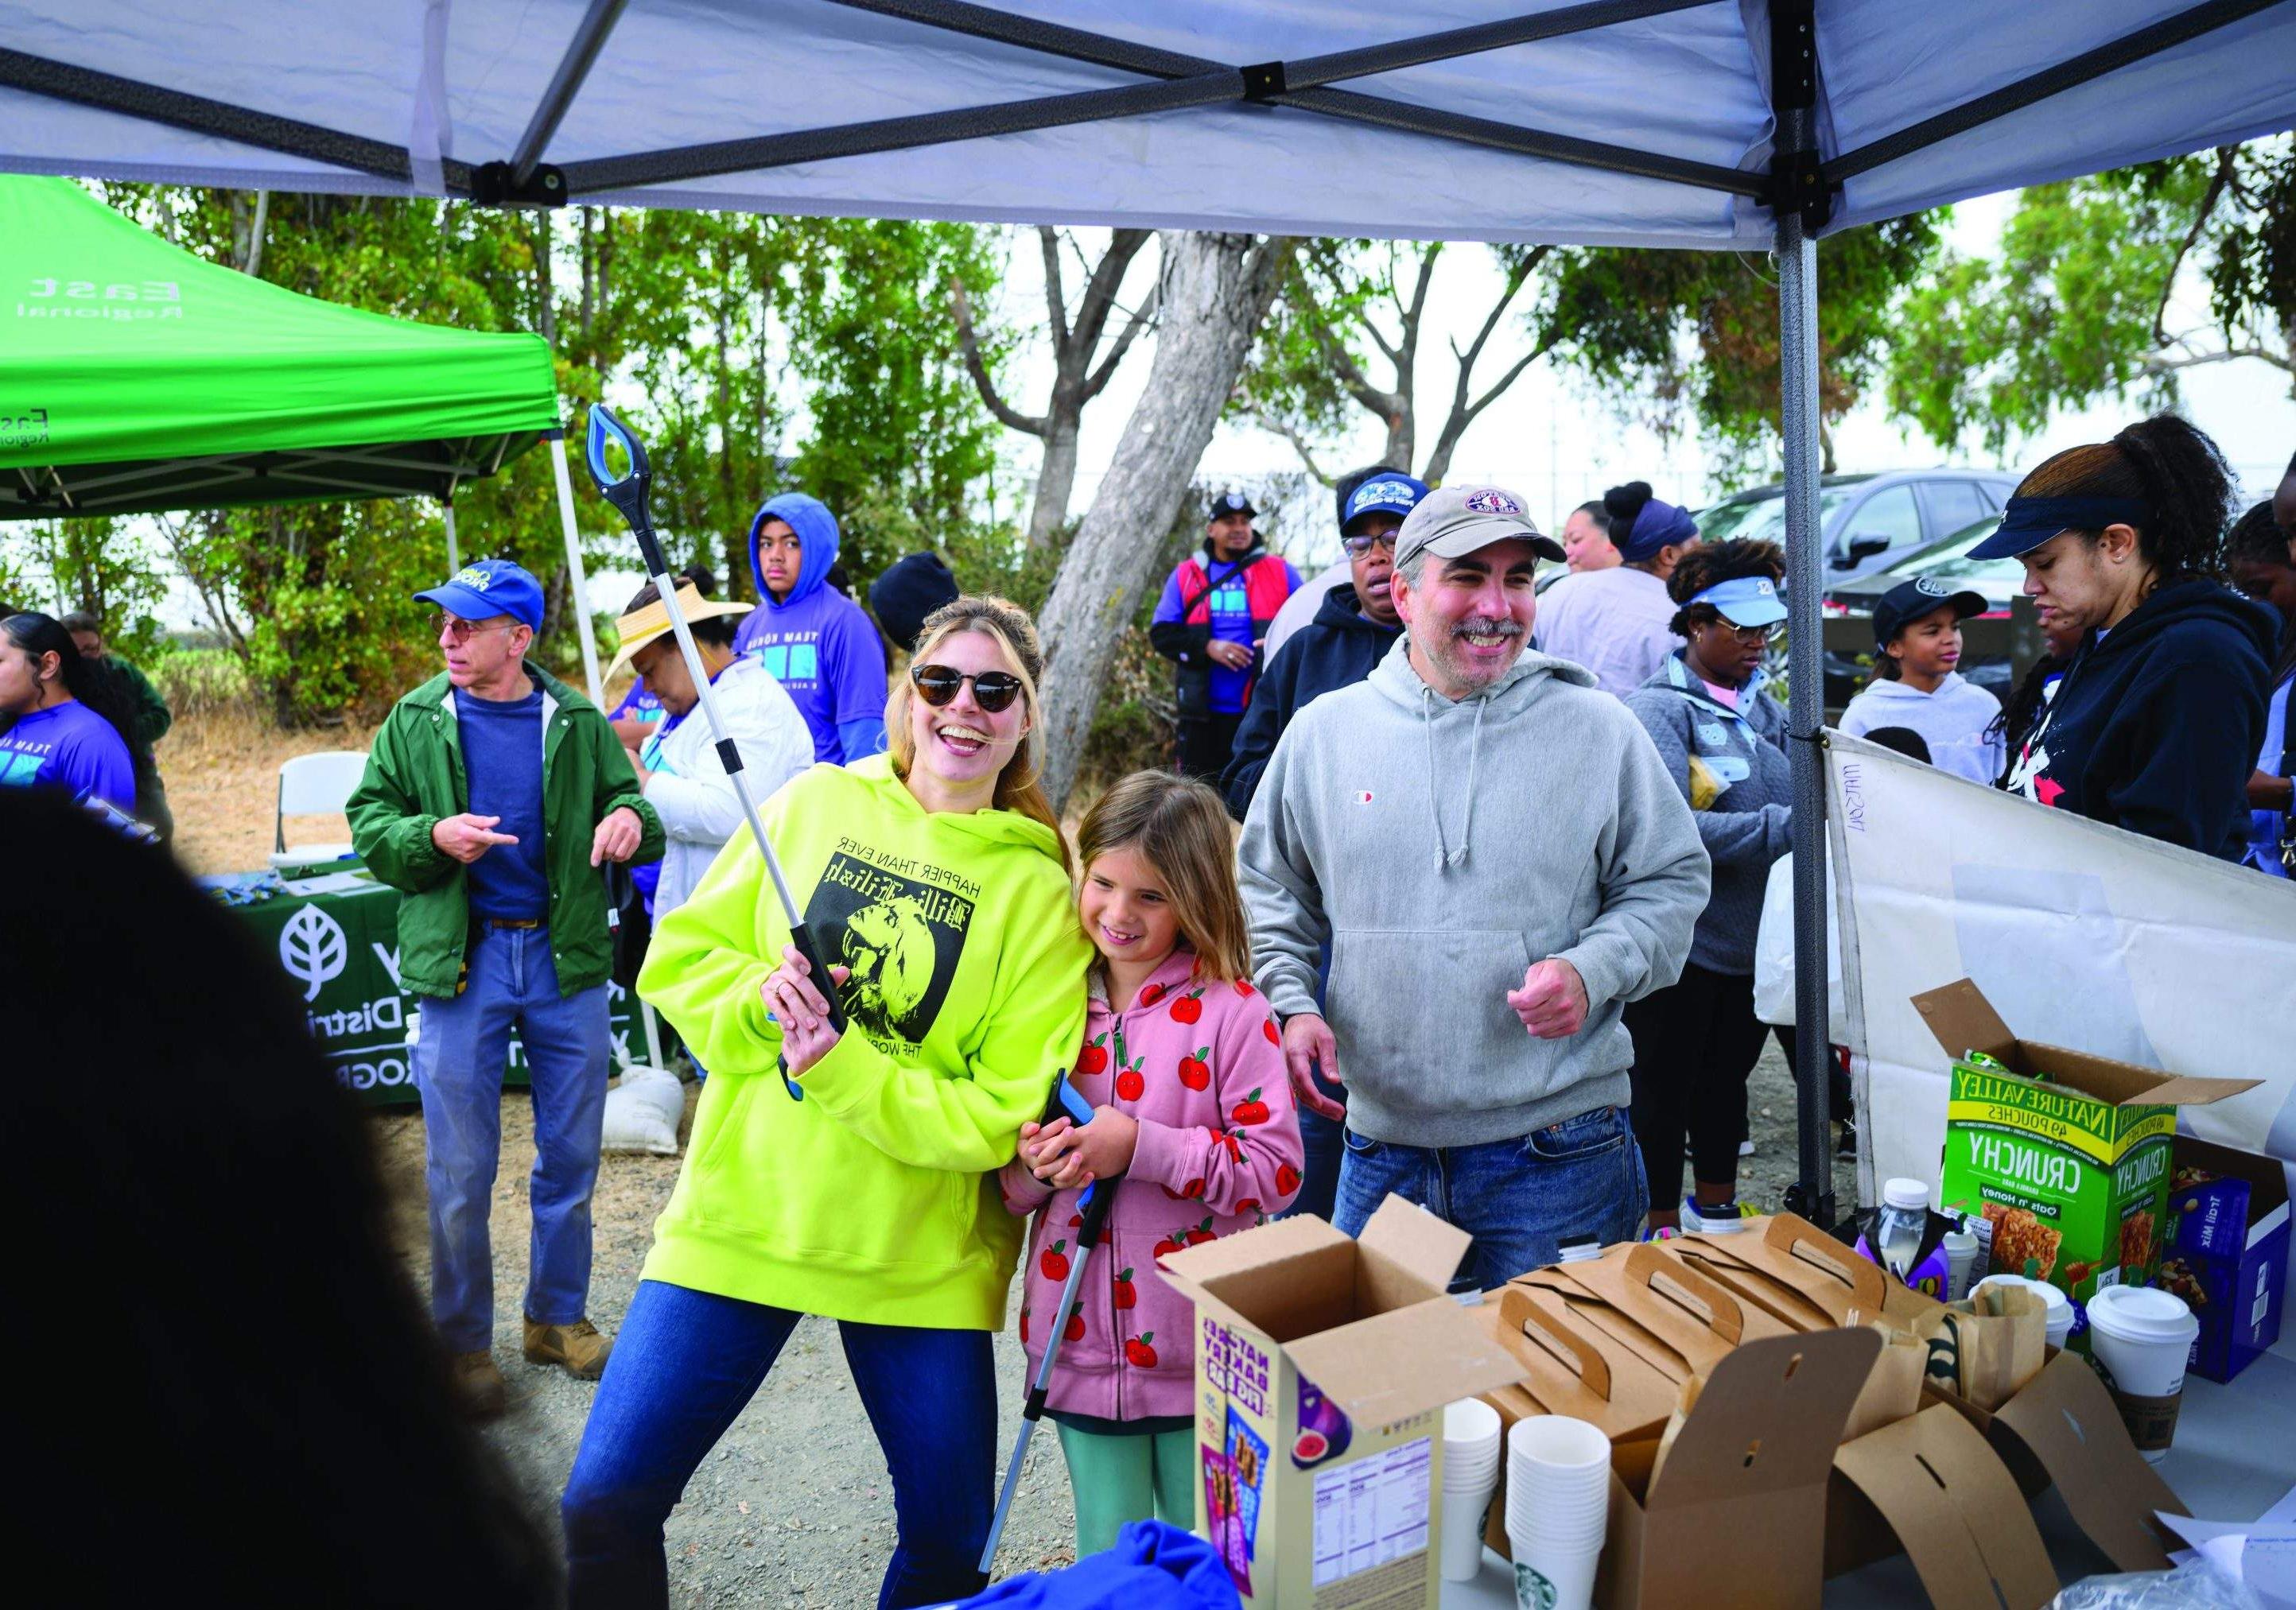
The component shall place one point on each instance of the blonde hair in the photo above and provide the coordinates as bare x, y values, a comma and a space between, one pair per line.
1020, 786
1181, 828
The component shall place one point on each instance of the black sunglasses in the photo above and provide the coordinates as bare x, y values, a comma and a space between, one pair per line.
937, 684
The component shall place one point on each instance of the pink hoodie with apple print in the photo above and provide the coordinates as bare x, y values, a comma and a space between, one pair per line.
1200, 1065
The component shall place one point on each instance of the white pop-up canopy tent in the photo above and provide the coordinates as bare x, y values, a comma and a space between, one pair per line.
1666, 123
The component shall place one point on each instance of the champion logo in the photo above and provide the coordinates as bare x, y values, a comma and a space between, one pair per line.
471, 575
1361, 796
1930, 587
1490, 500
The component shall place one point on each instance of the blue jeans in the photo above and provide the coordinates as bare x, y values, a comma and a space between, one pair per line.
459, 1063
1581, 1180
687, 1362
1322, 1145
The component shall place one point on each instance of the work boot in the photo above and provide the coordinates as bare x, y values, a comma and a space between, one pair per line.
577, 1346
479, 1384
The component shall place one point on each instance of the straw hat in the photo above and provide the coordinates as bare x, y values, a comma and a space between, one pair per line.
641, 626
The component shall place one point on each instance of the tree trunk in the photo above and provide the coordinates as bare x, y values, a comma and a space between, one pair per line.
1057, 478
1214, 291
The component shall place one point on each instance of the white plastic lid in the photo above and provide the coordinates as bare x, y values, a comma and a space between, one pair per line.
2052, 1298
2142, 1313
1906, 1193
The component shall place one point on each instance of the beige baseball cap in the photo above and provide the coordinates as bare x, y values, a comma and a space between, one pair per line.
1457, 520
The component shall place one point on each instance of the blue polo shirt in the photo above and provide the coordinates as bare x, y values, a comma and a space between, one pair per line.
502, 757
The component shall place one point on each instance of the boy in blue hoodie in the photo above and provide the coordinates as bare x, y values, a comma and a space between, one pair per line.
817, 643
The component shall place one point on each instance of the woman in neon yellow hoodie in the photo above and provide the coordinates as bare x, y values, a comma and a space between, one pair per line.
936, 880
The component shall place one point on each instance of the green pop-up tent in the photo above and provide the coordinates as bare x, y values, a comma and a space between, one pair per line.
136, 377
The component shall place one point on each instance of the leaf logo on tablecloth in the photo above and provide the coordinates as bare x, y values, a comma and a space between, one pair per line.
312, 948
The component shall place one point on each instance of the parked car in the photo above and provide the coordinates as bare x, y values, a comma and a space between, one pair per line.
1998, 579
1869, 521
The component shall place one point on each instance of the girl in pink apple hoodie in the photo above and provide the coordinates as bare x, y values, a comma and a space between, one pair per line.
1184, 1070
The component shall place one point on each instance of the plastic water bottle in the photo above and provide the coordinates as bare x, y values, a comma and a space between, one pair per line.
1905, 1216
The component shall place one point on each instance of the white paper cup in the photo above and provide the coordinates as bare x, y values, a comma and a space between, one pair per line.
1556, 1577
1558, 1443
1959, 1258
1469, 1422
2060, 1316
1463, 1532
2139, 1337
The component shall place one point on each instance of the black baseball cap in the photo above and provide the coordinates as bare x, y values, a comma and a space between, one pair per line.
1232, 503
1910, 600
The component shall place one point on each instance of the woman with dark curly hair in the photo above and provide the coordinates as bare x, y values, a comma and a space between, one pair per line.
1722, 735
2158, 720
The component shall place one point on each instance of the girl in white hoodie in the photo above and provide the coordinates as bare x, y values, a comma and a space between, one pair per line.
1917, 647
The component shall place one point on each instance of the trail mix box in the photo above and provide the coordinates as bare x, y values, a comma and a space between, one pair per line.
2227, 1251
1323, 1367
2064, 1154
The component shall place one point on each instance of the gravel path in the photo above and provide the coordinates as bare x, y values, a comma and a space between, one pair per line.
793, 1506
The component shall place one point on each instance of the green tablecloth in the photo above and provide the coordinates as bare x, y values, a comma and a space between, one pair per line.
339, 947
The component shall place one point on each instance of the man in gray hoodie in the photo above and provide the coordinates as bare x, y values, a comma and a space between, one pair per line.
1499, 862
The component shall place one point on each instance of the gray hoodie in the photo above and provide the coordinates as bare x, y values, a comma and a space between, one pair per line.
1440, 848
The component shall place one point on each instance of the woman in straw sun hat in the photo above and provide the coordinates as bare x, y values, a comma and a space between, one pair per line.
677, 764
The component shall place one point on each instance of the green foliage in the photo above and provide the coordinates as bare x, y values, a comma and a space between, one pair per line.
1698, 331
60, 566
718, 336
2080, 304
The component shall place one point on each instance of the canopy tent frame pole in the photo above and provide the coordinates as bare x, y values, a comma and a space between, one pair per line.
1189, 81
578, 582
447, 512
1801, 201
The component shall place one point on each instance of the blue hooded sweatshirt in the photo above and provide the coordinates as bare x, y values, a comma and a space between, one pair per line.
817, 643
2158, 721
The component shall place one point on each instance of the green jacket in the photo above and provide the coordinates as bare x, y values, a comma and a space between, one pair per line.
152, 716
414, 776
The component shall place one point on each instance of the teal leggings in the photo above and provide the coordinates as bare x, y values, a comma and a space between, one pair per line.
1120, 1479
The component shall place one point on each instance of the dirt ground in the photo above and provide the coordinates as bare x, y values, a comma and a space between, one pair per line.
793, 1506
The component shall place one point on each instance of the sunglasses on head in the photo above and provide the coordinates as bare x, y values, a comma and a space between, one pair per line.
993, 690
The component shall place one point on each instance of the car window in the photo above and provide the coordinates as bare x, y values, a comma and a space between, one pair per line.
1953, 504
2010, 571
1888, 513
1764, 518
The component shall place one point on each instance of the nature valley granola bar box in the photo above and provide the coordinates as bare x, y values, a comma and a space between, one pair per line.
2064, 1154
1323, 1366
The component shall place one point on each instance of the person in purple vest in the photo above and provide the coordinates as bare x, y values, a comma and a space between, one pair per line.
818, 643
1211, 623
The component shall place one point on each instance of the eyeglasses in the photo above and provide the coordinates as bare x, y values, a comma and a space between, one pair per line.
1361, 542
456, 630
1750, 635
937, 684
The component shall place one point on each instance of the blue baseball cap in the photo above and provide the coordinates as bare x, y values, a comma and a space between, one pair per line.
1745, 601
1387, 493
487, 587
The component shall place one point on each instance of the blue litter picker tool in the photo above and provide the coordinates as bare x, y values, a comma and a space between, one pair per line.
627, 490
1099, 1197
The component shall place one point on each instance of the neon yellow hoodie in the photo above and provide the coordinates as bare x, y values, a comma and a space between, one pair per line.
874, 1198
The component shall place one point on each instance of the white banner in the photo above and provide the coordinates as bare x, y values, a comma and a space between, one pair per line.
2080, 935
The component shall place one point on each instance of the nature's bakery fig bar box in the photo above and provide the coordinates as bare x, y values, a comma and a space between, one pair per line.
2065, 1154
1323, 1365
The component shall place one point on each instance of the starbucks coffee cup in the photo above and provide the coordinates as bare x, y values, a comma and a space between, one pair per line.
2139, 1337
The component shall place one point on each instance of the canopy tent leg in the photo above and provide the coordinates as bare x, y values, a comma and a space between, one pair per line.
454, 550
652, 1033
1812, 1194
574, 563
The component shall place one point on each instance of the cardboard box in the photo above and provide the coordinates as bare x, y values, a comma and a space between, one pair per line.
1671, 1314
1797, 1273
2061, 1430
1735, 1518
1323, 1365
2066, 1153
2227, 1251
1932, 1483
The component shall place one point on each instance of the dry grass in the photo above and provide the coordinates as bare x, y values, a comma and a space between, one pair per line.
222, 771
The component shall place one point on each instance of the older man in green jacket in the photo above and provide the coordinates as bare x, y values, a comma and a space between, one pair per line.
493, 794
